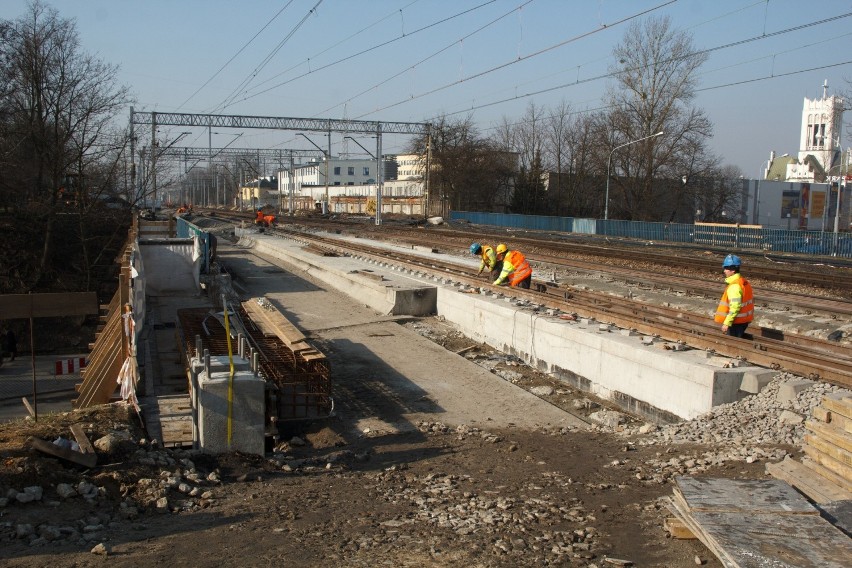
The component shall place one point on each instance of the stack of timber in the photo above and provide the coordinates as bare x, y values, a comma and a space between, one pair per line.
272, 323
751, 523
825, 473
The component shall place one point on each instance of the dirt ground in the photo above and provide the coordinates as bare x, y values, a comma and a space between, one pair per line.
437, 496
434, 496
338, 493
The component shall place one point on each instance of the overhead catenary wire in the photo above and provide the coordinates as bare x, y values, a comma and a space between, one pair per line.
708, 50
740, 42
332, 46
240, 50
247, 81
427, 58
520, 59
364, 51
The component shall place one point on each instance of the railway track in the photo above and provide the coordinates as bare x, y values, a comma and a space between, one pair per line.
834, 275
678, 273
810, 357
807, 356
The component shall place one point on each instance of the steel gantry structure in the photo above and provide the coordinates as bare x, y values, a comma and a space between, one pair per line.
325, 125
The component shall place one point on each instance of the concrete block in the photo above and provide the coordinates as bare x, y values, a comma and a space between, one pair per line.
220, 363
627, 332
603, 327
725, 386
756, 379
788, 391
648, 339
247, 413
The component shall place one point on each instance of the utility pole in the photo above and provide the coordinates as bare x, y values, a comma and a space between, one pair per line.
132, 159
379, 174
154, 159
327, 160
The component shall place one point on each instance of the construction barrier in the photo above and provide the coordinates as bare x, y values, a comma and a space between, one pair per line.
69, 366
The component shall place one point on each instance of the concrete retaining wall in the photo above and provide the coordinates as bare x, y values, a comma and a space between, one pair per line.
382, 290
646, 377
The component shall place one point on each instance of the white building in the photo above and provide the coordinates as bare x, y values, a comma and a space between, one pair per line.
820, 153
410, 167
350, 178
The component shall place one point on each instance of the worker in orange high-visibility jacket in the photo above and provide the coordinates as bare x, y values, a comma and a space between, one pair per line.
515, 268
736, 308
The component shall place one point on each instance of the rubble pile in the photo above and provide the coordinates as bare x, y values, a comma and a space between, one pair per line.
760, 428
760, 419
105, 499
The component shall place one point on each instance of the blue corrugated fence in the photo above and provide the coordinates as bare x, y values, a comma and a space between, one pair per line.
709, 234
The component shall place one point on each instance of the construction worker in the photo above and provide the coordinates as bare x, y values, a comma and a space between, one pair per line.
736, 308
515, 268
488, 259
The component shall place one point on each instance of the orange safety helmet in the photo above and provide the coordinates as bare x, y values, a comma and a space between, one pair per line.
501, 248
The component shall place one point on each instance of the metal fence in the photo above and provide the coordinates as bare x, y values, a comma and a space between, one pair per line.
708, 234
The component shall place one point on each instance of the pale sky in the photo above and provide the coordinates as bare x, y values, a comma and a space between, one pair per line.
373, 60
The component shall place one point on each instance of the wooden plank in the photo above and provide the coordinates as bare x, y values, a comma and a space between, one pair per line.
28, 406
82, 439
86, 460
757, 530
681, 511
821, 414
48, 304
827, 461
169, 419
804, 541
742, 495
831, 434
275, 322
839, 421
838, 407
826, 447
836, 479
816, 487
678, 529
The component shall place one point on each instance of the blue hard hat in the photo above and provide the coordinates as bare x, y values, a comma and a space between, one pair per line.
731, 260
475, 248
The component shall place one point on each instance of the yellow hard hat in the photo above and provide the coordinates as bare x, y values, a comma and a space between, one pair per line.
501, 248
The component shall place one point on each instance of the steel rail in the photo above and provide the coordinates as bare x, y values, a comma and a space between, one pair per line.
831, 306
809, 357
807, 303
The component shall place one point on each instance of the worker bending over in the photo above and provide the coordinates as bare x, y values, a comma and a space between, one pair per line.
515, 268
488, 259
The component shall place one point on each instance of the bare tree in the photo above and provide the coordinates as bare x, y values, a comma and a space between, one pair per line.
466, 169
720, 196
58, 106
655, 84
557, 153
504, 141
584, 192
530, 136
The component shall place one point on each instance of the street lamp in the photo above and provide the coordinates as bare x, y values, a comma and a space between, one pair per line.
362, 147
609, 166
